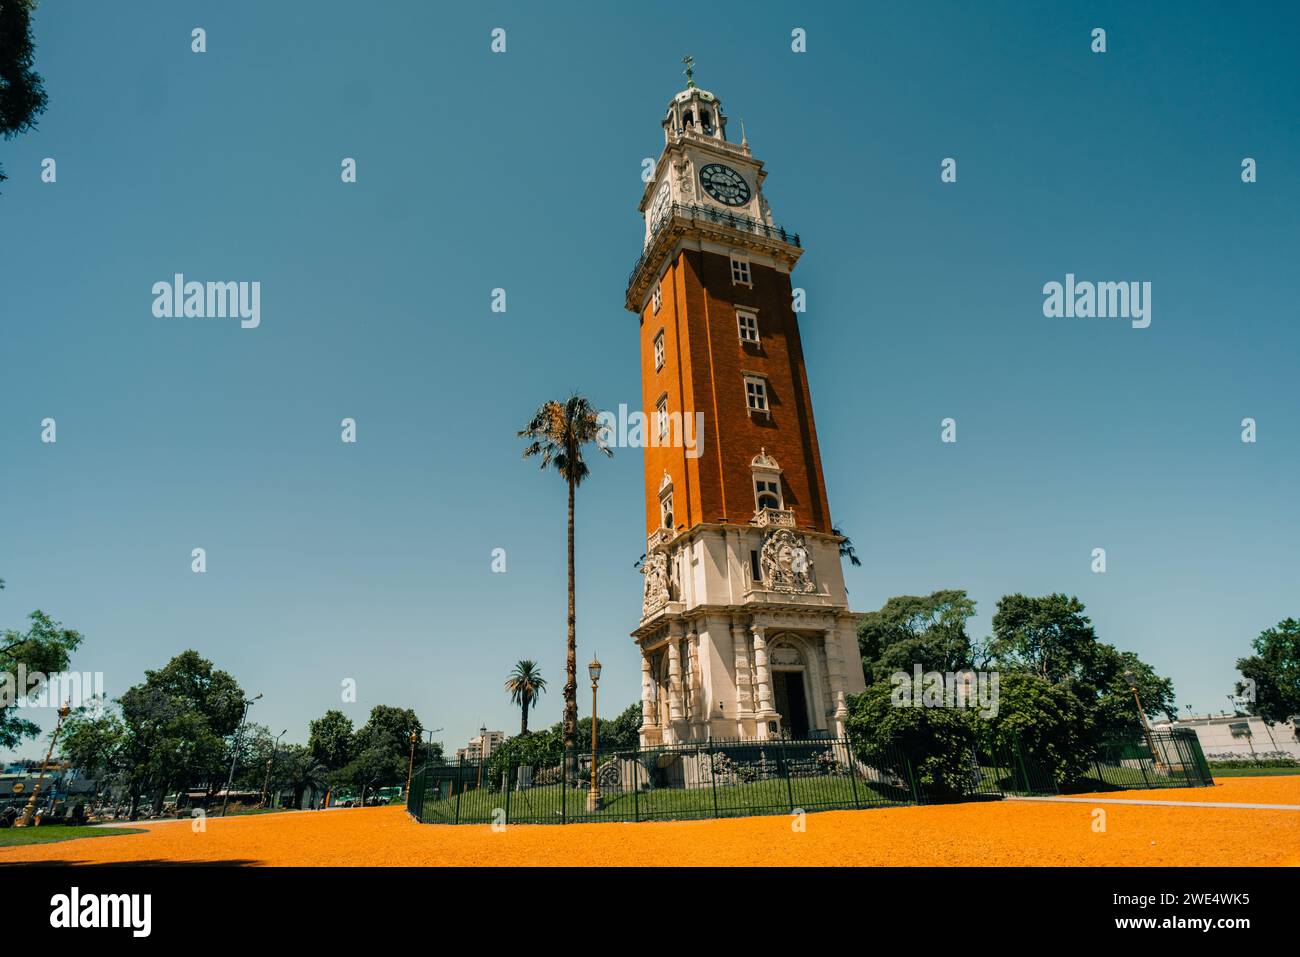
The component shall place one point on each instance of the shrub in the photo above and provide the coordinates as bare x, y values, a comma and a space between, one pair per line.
940, 742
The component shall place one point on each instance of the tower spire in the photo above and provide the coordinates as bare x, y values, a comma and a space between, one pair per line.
689, 71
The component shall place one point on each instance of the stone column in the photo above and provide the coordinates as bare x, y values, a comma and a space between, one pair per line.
835, 667
765, 709
649, 712
744, 703
675, 672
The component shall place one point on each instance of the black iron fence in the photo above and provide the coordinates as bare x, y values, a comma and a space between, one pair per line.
718, 779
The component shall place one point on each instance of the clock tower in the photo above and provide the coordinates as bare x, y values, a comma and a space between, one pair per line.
745, 629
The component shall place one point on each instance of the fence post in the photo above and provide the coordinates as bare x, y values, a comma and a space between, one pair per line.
511, 770
785, 769
1020, 759
564, 784
853, 770
636, 783
713, 776
1142, 766
911, 775
460, 781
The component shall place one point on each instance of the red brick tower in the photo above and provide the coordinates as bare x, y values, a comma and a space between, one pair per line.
745, 630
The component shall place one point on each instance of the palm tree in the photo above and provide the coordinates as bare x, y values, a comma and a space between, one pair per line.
559, 430
302, 771
525, 685
846, 548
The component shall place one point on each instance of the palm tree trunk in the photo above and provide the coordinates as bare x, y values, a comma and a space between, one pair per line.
523, 720
571, 661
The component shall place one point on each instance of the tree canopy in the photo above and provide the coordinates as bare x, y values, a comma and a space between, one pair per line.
1274, 673
22, 91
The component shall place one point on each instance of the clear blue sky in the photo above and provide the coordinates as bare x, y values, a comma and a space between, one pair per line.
521, 170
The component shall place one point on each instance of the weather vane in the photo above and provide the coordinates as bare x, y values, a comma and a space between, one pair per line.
690, 70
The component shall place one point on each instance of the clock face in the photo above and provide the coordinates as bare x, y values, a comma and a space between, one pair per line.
724, 184
660, 207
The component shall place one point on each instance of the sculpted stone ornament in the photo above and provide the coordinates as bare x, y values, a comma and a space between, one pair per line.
655, 570
786, 563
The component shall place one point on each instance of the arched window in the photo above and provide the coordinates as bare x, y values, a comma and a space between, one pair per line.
767, 482
666, 518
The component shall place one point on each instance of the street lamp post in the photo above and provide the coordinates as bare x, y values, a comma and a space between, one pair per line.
410, 765
225, 798
270, 762
1131, 678
29, 812
593, 796
482, 753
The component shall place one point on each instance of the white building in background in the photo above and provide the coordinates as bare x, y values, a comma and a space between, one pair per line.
481, 746
1238, 736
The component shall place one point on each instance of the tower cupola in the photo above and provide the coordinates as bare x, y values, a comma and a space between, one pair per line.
694, 110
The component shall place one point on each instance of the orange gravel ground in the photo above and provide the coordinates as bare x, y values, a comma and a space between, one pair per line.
1002, 833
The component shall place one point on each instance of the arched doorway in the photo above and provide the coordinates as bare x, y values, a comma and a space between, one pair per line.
791, 695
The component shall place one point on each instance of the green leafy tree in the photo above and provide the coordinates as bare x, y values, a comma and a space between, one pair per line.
22, 92
46, 648
330, 739
178, 722
92, 739
559, 431
1080, 697
1045, 721
929, 630
301, 770
625, 730
1048, 636
525, 685
1274, 669
381, 749
933, 748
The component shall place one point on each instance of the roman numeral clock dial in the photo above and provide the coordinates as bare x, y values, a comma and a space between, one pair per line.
724, 184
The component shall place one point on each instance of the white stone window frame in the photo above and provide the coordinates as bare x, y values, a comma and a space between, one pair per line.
764, 468
666, 502
661, 417
657, 298
747, 322
760, 381
659, 350
742, 273
768, 484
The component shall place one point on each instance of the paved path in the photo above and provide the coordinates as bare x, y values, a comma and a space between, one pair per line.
1150, 803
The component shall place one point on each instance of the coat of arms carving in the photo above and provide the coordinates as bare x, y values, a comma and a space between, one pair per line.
655, 570
787, 563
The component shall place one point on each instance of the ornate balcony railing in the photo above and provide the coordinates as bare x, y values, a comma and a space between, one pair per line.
782, 517
713, 217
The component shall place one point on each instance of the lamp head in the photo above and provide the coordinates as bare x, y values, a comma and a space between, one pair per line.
593, 669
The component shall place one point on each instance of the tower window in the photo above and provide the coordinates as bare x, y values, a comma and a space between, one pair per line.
767, 493
658, 298
666, 511
661, 416
740, 271
754, 571
756, 394
747, 322
706, 121
659, 351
